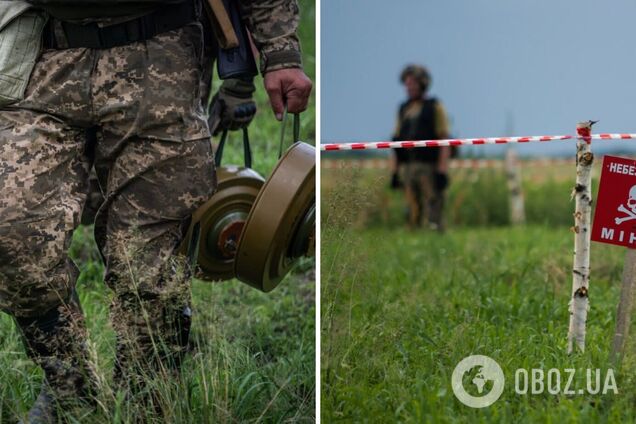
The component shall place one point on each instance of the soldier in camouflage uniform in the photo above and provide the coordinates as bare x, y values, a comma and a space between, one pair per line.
153, 160
422, 170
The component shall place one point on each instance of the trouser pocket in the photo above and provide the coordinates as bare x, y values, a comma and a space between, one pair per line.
20, 43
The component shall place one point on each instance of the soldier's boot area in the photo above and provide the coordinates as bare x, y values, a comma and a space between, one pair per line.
56, 342
150, 314
44, 410
149, 351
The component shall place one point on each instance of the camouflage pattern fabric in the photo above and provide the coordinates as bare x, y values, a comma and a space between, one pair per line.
56, 341
425, 203
220, 120
154, 162
273, 25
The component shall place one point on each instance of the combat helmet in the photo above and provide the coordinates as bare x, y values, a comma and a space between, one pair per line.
420, 73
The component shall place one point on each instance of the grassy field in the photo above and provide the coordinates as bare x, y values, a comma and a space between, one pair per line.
475, 197
254, 356
401, 308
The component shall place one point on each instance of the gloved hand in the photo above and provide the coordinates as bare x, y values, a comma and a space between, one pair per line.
233, 106
441, 181
396, 183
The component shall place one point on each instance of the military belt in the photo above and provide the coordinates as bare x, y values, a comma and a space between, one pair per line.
67, 35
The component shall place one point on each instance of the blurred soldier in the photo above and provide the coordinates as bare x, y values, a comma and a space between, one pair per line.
132, 73
423, 171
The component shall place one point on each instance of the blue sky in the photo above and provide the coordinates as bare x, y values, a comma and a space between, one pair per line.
499, 66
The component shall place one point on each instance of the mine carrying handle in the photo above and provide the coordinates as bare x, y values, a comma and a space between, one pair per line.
247, 150
282, 131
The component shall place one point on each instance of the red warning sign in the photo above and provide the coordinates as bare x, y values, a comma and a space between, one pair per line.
615, 216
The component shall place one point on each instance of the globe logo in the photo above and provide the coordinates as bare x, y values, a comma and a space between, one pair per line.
477, 381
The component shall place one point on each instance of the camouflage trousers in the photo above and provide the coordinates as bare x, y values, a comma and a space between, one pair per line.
425, 203
154, 162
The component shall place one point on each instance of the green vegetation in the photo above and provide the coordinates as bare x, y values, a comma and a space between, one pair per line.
401, 308
475, 197
254, 355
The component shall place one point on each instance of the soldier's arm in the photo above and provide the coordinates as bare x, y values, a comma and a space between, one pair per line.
273, 25
442, 128
396, 129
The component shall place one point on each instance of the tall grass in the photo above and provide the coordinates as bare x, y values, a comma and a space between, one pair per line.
401, 308
253, 356
475, 197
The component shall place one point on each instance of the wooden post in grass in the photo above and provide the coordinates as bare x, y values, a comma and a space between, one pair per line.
614, 224
513, 177
625, 307
582, 193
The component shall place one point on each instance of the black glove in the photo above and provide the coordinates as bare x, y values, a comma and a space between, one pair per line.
396, 183
441, 181
233, 106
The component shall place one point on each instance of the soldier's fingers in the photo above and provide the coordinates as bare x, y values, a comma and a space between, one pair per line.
296, 101
275, 92
298, 95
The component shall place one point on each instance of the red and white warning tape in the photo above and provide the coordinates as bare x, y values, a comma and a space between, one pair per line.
463, 142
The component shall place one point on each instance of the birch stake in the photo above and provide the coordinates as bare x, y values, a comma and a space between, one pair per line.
513, 177
582, 193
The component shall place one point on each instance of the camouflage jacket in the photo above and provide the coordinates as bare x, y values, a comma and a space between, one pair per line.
272, 23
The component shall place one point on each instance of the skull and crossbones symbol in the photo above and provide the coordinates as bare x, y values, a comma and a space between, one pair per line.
630, 210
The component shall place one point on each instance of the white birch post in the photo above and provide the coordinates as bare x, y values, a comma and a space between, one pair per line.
513, 177
625, 307
582, 193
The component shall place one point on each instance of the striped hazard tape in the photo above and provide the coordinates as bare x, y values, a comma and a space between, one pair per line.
464, 142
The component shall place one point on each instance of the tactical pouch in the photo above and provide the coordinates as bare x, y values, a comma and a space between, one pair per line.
20, 42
